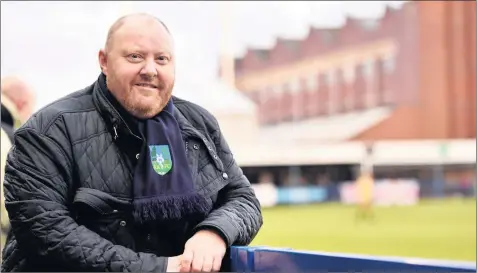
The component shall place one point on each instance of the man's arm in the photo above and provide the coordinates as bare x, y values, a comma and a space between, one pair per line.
38, 185
238, 216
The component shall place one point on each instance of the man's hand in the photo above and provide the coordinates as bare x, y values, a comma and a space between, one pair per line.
203, 252
173, 264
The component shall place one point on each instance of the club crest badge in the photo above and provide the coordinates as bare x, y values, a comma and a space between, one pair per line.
160, 158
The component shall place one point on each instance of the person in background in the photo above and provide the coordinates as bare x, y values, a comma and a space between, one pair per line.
122, 176
5, 223
365, 194
364, 185
17, 104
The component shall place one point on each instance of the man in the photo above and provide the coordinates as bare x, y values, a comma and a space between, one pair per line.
17, 103
83, 187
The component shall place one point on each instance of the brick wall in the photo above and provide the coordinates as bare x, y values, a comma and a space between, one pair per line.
424, 65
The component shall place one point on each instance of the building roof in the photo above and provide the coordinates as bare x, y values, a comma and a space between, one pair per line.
339, 127
323, 40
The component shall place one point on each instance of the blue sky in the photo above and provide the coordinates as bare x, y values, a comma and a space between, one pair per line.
54, 45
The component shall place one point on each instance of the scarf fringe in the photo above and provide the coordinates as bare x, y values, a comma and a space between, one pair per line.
170, 207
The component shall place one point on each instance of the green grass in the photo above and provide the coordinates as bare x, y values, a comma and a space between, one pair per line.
437, 229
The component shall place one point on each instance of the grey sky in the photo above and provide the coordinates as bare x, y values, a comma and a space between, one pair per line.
54, 45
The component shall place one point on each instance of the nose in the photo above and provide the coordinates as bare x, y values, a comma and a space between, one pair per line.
149, 69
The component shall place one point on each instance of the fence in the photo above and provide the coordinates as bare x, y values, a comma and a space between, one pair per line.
264, 259
386, 192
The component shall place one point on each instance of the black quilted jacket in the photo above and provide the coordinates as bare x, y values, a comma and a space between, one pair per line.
68, 190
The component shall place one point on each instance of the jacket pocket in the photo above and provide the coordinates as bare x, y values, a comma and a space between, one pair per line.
104, 214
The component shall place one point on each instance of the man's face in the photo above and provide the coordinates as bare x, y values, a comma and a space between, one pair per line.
139, 67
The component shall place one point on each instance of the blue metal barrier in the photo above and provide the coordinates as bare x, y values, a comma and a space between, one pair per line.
264, 259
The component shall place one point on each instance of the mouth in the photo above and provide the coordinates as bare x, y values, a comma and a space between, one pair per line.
148, 85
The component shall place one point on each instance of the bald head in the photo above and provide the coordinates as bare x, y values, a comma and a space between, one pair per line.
132, 19
21, 94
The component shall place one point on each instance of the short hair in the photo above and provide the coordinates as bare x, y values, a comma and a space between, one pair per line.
120, 22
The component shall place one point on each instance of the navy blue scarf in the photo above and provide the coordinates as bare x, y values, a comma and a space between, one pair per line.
163, 184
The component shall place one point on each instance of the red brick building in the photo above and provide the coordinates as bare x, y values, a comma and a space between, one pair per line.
418, 62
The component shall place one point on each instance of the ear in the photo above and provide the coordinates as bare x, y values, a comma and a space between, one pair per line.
103, 61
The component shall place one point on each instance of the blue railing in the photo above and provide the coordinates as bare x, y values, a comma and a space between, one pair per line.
264, 259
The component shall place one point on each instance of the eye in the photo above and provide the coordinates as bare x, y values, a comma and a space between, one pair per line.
134, 57
163, 59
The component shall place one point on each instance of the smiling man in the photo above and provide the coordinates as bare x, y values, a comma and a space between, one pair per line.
123, 176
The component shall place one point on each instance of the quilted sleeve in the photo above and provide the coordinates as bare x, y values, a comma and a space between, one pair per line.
238, 216
38, 189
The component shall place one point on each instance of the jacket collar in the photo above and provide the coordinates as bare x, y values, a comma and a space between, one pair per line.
120, 123
114, 120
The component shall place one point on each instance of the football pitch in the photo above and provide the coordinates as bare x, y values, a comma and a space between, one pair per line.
437, 229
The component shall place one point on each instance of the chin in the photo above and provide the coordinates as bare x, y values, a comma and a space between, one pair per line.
146, 111
143, 114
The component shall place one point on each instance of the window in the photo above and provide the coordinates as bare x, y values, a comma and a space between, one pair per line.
262, 55
327, 78
324, 79
312, 82
327, 37
262, 96
389, 64
277, 89
295, 85
368, 68
293, 46
349, 73
330, 78
369, 24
